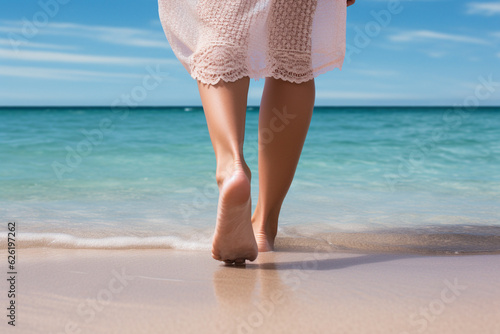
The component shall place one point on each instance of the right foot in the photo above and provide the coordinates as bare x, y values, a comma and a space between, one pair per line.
265, 227
265, 242
233, 239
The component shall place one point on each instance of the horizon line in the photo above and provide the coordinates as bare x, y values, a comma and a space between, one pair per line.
249, 106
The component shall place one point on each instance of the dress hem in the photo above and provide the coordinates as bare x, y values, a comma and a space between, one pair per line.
264, 74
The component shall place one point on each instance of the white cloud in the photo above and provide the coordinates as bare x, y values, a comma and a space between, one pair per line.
61, 74
26, 43
61, 57
484, 8
108, 34
416, 35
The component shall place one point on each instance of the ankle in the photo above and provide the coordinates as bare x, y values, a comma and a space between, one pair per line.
226, 169
265, 226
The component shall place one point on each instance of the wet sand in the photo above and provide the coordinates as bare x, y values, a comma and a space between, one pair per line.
171, 291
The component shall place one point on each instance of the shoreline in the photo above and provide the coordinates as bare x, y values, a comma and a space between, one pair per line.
440, 242
132, 291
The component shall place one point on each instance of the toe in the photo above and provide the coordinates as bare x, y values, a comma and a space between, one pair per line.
239, 262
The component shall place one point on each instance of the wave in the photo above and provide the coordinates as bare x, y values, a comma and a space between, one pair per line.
433, 240
62, 240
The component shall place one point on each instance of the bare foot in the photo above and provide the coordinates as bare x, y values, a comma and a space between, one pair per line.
234, 240
265, 243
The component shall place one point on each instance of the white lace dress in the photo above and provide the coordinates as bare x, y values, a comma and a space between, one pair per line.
293, 40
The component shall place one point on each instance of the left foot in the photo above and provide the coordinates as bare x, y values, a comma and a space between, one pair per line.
234, 240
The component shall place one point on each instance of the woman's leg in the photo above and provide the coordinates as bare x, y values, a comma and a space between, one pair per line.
284, 117
225, 106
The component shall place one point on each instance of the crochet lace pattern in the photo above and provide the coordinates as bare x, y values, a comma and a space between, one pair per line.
293, 40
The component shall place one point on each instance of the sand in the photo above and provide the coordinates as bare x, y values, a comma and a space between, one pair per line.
172, 291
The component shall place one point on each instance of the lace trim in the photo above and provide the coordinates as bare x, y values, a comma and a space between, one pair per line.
217, 62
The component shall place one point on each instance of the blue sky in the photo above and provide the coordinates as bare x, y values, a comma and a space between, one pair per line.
88, 52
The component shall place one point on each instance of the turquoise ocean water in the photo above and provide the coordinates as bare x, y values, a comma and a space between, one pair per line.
370, 178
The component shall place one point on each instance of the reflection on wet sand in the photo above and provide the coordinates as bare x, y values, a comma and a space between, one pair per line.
248, 297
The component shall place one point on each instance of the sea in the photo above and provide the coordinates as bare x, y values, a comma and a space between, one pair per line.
370, 179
